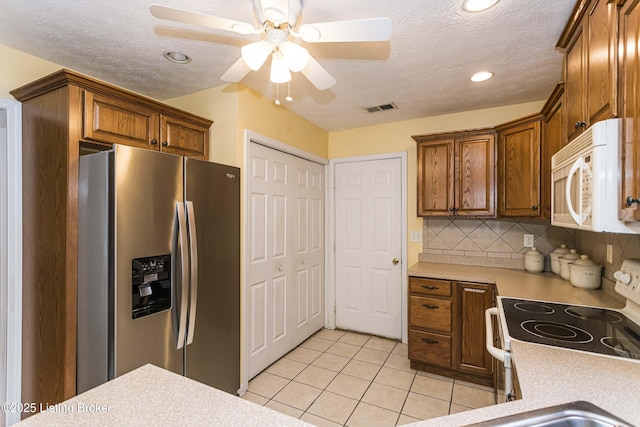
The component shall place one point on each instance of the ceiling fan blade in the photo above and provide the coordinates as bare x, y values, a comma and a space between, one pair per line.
236, 72
195, 18
316, 74
355, 30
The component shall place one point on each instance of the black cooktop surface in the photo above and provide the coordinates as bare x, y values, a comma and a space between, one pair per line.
591, 329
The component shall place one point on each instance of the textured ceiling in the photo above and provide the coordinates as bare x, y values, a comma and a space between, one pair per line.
424, 69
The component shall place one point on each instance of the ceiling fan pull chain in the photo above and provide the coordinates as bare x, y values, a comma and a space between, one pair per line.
277, 94
289, 98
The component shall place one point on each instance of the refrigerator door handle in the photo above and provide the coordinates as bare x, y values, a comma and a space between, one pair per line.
193, 250
184, 273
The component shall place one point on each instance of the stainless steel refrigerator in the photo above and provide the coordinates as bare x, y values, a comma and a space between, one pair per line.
158, 267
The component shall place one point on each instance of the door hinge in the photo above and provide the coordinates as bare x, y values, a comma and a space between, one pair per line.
334, 309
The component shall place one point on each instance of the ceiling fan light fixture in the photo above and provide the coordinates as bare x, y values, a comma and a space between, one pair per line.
254, 54
279, 69
481, 76
477, 5
295, 56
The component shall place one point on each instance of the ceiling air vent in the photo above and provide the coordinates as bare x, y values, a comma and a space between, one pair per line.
381, 107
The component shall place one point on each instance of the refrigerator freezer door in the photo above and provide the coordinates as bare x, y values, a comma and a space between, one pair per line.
147, 185
214, 355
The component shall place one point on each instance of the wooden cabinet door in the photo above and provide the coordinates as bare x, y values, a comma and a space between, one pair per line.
600, 58
574, 87
553, 139
435, 178
630, 82
184, 138
475, 176
519, 165
113, 120
473, 300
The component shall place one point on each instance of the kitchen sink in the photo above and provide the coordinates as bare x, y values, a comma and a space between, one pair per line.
573, 414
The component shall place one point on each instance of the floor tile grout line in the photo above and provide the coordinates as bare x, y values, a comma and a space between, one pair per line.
389, 353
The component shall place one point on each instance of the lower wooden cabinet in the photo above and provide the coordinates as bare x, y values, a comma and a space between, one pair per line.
447, 328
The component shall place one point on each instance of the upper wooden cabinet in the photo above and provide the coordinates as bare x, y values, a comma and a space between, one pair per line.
456, 173
108, 118
58, 113
630, 108
590, 40
519, 167
553, 139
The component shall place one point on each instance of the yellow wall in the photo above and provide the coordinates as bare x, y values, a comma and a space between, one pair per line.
219, 104
396, 136
19, 68
235, 108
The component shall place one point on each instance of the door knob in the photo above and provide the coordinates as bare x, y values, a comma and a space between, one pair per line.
395, 261
303, 261
280, 267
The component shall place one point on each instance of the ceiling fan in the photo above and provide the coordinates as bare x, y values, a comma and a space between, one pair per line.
278, 20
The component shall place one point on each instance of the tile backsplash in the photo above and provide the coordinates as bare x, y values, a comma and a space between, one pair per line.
489, 242
500, 243
595, 245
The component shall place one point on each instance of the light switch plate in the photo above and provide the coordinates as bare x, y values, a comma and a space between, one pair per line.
416, 236
528, 240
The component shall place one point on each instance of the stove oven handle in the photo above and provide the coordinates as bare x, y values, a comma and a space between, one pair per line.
493, 350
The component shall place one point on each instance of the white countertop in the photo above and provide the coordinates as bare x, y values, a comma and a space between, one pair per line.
151, 396
548, 375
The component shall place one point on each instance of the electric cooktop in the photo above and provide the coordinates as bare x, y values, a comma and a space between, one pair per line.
590, 329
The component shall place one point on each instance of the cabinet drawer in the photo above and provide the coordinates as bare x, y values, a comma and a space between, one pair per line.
430, 286
430, 313
430, 348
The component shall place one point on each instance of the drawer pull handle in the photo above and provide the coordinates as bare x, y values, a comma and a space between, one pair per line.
430, 287
429, 341
430, 306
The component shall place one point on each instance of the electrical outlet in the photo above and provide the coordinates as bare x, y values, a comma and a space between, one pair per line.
416, 236
609, 253
528, 240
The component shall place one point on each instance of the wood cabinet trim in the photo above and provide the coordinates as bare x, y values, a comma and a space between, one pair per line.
555, 96
575, 21
519, 122
67, 77
452, 135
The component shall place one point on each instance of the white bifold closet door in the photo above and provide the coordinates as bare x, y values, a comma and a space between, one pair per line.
285, 294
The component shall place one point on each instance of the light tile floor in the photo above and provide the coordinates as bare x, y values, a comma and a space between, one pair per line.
338, 378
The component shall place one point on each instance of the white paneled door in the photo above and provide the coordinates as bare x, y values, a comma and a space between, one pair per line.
285, 295
369, 246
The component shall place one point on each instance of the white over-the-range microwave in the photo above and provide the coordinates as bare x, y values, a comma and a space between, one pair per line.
585, 177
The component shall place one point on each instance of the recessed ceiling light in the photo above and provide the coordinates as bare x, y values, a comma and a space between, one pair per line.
177, 57
481, 76
477, 5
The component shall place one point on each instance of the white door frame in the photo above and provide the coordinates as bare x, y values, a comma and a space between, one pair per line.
254, 137
330, 293
11, 282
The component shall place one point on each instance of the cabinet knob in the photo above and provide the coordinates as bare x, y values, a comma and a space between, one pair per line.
631, 200
165, 144
154, 142
534, 208
579, 125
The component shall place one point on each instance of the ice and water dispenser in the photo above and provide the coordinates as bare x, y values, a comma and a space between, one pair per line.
150, 285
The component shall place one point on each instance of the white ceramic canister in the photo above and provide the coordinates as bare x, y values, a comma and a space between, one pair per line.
534, 261
557, 253
585, 273
565, 260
